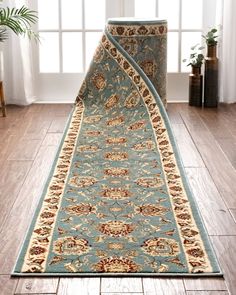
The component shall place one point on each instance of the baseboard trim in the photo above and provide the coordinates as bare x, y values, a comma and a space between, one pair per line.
54, 102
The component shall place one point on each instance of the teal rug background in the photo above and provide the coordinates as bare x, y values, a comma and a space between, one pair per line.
117, 201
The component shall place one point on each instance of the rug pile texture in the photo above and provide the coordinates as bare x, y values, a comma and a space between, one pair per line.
116, 201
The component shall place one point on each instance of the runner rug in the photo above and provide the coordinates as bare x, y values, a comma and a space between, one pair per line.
117, 201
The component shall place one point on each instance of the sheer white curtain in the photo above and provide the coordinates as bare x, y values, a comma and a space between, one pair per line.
228, 53
18, 66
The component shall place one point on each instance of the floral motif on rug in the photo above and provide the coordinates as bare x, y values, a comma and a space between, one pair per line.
117, 200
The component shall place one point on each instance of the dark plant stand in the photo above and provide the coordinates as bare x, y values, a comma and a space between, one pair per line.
195, 87
211, 78
2, 100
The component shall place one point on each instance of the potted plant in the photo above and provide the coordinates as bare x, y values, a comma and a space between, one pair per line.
210, 37
19, 21
195, 60
211, 70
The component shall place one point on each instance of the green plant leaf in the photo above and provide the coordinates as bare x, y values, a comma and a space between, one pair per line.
3, 34
194, 47
19, 20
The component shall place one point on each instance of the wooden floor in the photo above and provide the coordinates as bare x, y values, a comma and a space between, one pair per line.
29, 137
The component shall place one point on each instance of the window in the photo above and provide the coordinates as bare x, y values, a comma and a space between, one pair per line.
185, 22
69, 32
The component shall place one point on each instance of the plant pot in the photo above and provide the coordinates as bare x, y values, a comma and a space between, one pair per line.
211, 78
195, 87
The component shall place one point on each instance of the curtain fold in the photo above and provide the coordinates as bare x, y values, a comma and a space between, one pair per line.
227, 53
18, 72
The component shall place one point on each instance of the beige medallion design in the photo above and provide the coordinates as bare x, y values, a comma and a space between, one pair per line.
116, 121
116, 140
93, 133
80, 209
88, 148
132, 100
152, 210
116, 228
161, 247
71, 245
149, 67
82, 181
99, 81
150, 182
116, 265
112, 101
116, 193
137, 125
116, 171
145, 145
130, 45
116, 156
93, 119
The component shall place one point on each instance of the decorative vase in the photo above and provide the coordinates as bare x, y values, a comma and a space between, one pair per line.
211, 78
195, 87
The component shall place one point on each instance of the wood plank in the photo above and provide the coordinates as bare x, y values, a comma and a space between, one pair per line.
52, 109
52, 139
233, 213
38, 126
25, 150
14, 117
219, 126
207, 293
228, 113
215, 160
7, 146
12, 175
36, 108
173, 113
228, 146
21, 213
37, 285
122, 285
4, 133
216, 215
163, 286
201, 284
7, 285
83, 286
58, 109
188, 151
221, 170
19, 126
58, 124
196, 127
49, 116
215, 122
225, 250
